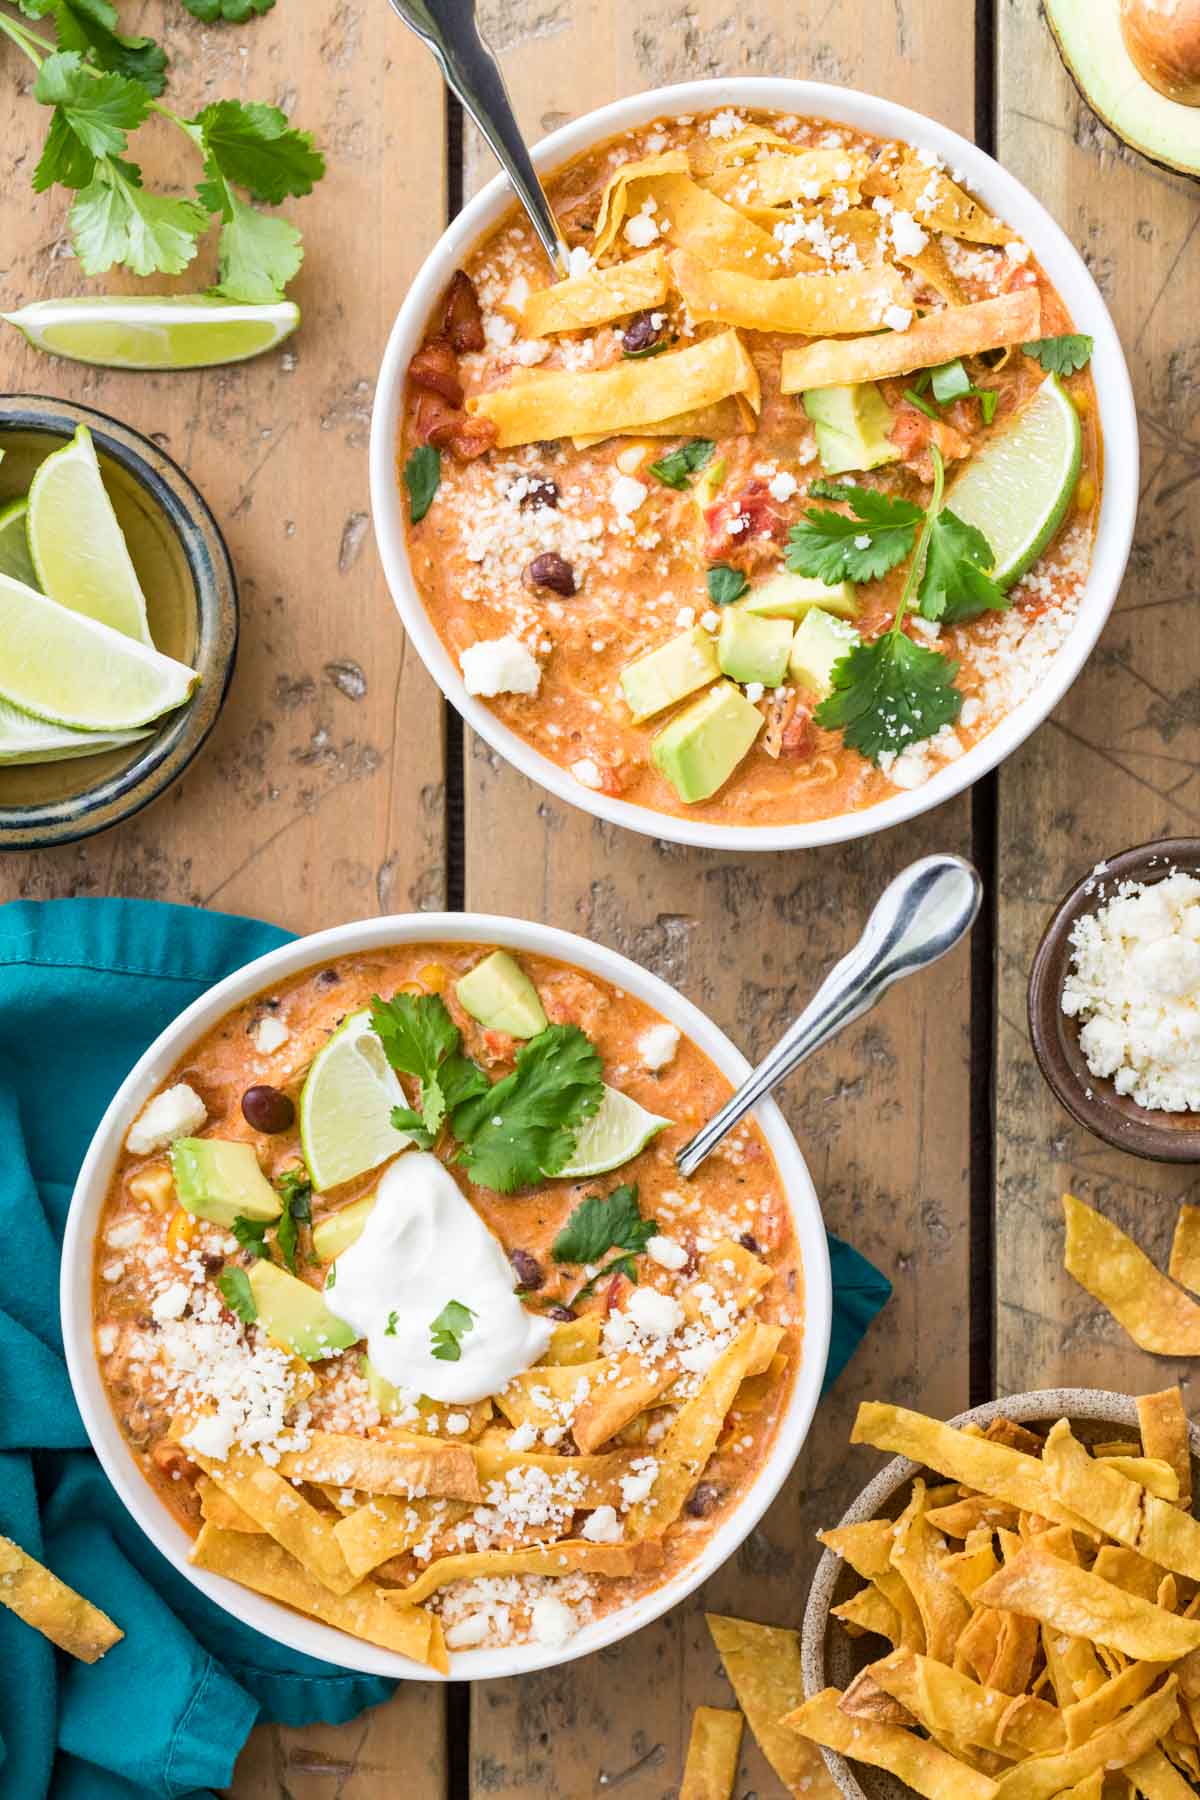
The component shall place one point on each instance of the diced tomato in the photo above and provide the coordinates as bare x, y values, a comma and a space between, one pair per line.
462, 320
498, 1047
913, 433
745, 525
797, 733
611, 1293
435, 369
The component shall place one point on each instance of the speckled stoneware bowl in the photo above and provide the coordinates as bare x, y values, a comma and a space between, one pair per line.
1091, 1100
829, 1655
191, 596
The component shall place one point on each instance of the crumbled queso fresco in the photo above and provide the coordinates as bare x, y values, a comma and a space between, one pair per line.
1134, 981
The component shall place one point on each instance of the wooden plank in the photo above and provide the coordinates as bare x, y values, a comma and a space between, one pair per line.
320, 797
1116, 764
883, 1115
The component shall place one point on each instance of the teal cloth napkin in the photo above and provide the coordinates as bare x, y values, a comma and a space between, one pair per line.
84, 987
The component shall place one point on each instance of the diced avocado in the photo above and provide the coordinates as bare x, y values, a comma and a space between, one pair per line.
499, 993
295, 1315
819, 642
671, 673
382, 1392
700, 748
852, 425
704, 488
753, 649
221, 1181
340, 1229
788, 596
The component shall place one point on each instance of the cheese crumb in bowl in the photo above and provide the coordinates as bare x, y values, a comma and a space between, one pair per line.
177, 1112
500, 666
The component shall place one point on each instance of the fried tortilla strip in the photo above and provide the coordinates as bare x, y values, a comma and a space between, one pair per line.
976, 1648
1081, 1604
992, 1469
686, 214
926, 1767
1120, 1508
847, 302
869, 1612
38, 1597
938, 204
734, 1274
945, 1613
1158, 1316
1114, 1747
626, 1388
866, 1547
568, 1556
1072, 1665
1156, 1779
727, 418
1164, 1428
939, 337
1085, 1718
713, 1750
756, 1390
865, 1699
931, 267
1185, 1249
1017, 1437
687, 1446
627, 397
708, 154
598, 296
974, 1564
784, 177
384, 1527
399, 1464
574, 1341
762, 1663
961, 1517
273, 1503
363, 1612
219, 1509
953, 1707
543, 1395
599, 1477
1126, 1569
1156, 1477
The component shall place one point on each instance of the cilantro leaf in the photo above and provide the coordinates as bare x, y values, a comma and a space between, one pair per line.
230, 12
237, 1293
295, 1190
956, 582
64, 159
251, 1234
649, 350
725, 584
448, 1330
915, 399
675, 470
422, 478
618, 1265
889, 694
98, 110
331, 1278
257, 255
832, 547
115, 220
253, 146
599, 1224
420, 1039
393, 1319
90, 27
1061, 355
523, 1128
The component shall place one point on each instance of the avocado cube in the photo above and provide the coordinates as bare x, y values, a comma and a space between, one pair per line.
499, 993
788, 596
702, 746
682, 665
338, 1230
754, 649
381, 1390
295, 1316
819, 643
219, 1180
852, 425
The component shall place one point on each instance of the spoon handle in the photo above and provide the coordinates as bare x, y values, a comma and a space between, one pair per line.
473, 75
926, 911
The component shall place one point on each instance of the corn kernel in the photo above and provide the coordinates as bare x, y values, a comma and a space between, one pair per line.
153, 1186
1085, 494
1081, 400
433, 978
181, 1231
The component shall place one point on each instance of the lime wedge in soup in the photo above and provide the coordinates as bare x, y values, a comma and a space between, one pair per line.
140, 331
346, 1106
617, 1131
1017, 489
15, 559
77, 544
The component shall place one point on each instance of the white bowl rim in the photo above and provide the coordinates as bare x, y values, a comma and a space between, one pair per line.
272, 1619
1067, 270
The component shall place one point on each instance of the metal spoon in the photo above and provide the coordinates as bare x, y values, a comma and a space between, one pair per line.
473, 75
924, 913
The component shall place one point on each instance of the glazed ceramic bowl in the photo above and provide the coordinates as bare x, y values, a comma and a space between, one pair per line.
191, 598
1004, 195
829, 1655
275, 1621
1091, 1100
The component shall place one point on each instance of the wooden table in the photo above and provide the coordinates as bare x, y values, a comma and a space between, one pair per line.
338, 785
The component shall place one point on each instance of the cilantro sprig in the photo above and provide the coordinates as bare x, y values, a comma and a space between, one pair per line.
228, 12
238, 1295
101, 86
448, 1330
422, 478
725, 584
1064, 355
421, 1040
676, 470
599, 1225
295, 1191
879, 532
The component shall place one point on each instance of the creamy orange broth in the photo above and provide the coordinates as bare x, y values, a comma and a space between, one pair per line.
738, 1193
637, 588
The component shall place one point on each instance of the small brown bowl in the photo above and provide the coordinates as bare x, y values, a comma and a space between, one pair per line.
1090, 1099
829, 1656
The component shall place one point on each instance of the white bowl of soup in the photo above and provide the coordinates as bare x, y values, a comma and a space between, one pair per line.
604, 537
523, 1423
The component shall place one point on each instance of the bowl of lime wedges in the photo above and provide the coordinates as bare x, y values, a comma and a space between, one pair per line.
118, 621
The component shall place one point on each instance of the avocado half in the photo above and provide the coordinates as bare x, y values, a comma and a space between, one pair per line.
1088, 33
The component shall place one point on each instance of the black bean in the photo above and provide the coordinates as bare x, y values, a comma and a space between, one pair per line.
266, 1109
749, 1242
540, 492
213, 1264
549, 570
327, 978
640, 333
527, 1268
563, 1313
704, 1498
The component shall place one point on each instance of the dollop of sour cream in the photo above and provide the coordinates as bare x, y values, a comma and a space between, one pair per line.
424, 1245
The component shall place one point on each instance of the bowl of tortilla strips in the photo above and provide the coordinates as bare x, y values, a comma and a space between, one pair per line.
1011, 1608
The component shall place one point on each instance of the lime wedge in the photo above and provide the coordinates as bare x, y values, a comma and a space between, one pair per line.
78, 548
1017, 489
24, 739
346, 1106
189, 331
15, 559
615, 1133
68, 669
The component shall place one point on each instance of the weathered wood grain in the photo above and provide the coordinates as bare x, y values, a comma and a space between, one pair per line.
884, 1115
1117, 763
